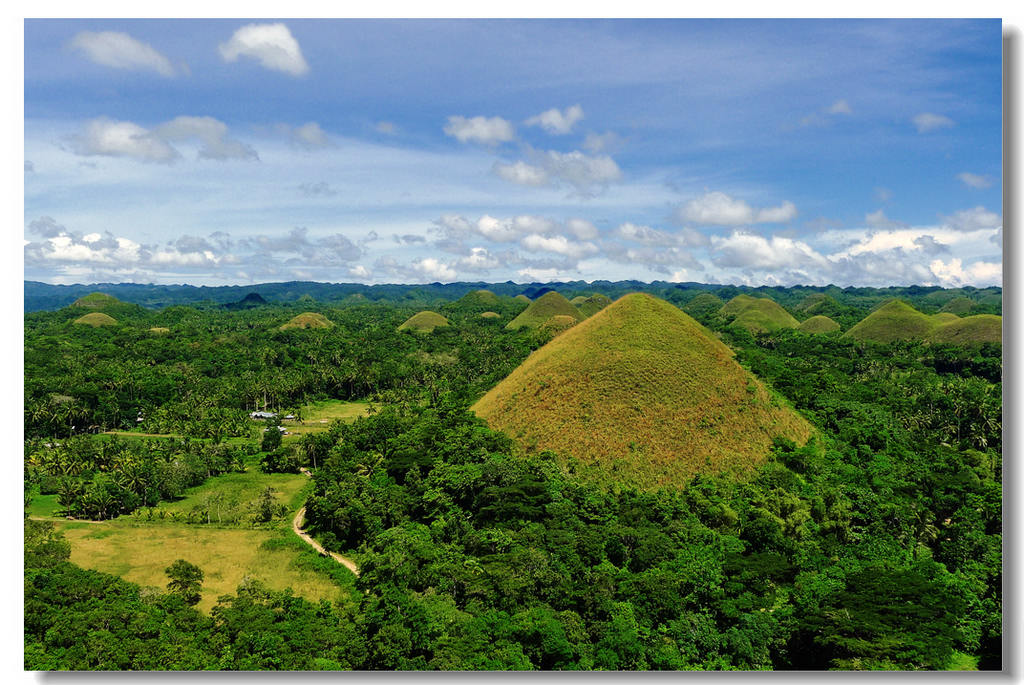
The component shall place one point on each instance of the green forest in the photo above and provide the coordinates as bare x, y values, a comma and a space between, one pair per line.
869, 539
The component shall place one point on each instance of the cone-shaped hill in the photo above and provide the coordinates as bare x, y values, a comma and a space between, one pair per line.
95, 301
490, 315
522, 298
705, 304
894, 320
897, 320
479, 299
593, 304
424, 322
640, 393
819, 324
961, 306
308, 320
558, 323
980, 328
758, 314
543, 308
96, 319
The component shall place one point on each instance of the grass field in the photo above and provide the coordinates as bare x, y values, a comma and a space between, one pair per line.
139, 553
236, 492
42, 505
319, 416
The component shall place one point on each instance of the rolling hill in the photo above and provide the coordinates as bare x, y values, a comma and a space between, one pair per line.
643, 394
308, 320
703, 305
593, 304
95, 319
96, 301
980, 328
758, 314
543, 308
479, 299
424, 322
894, 320
819, 324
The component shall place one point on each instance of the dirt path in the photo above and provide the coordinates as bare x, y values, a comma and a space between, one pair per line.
300, 515
62, 519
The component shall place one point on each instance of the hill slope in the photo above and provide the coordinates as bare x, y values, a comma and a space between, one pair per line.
593, 304
479, 298
96, 319
979, 328
96, 301
758, 314
424, 322
640, 393
543, 308
894, 320
819, 324
308, 320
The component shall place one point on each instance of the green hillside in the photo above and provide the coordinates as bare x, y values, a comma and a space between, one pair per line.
758, 314
641, 393
308, 320
543, 308
96, 301
819, 324
424, 322
961, 306
96, 319
894, 320
703, 305
980, 328
479, 298
593, 304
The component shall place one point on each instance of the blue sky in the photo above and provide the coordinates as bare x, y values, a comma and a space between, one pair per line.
758, 152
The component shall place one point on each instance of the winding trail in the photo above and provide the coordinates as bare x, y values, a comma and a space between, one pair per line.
297, 522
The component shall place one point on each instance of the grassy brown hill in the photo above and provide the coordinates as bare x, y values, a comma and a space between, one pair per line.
593, 304
640, 393
160, 330
96, 319
490, 315
424, 322
894, 320
980, 328
543, 308
95, 301
758, 314
943, 318
522, 298
308, 320
558, 324
819, 324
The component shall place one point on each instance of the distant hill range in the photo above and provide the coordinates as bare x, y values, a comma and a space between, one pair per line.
827, 300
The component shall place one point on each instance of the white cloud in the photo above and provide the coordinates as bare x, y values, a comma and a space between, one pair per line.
497, 230
483, 130
839, 107
479, 259
718, 209
309, 136
386, 127
644, 234
558, 244
211, 133
359, 271
431, 268
747, 250
954, 274
121, 51
582, 229
583, 172
521, 173
926, 122
974, 219
878, 219
111, 138
535, 275
601, 142
556, 122
272, 45
974, 180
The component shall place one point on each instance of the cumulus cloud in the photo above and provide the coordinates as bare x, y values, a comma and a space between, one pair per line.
479, 259
483, 130
359, 271
644, 234
581, 228
110, 138
974, 180
747, 250
120, 51
718, 209
557, 122
558, 244
878, 219
431, 268
522, 173
211, 134
308, 136
953, 272
927, 122
977, 218
602, 142
272, 45
656, 258
587, 174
